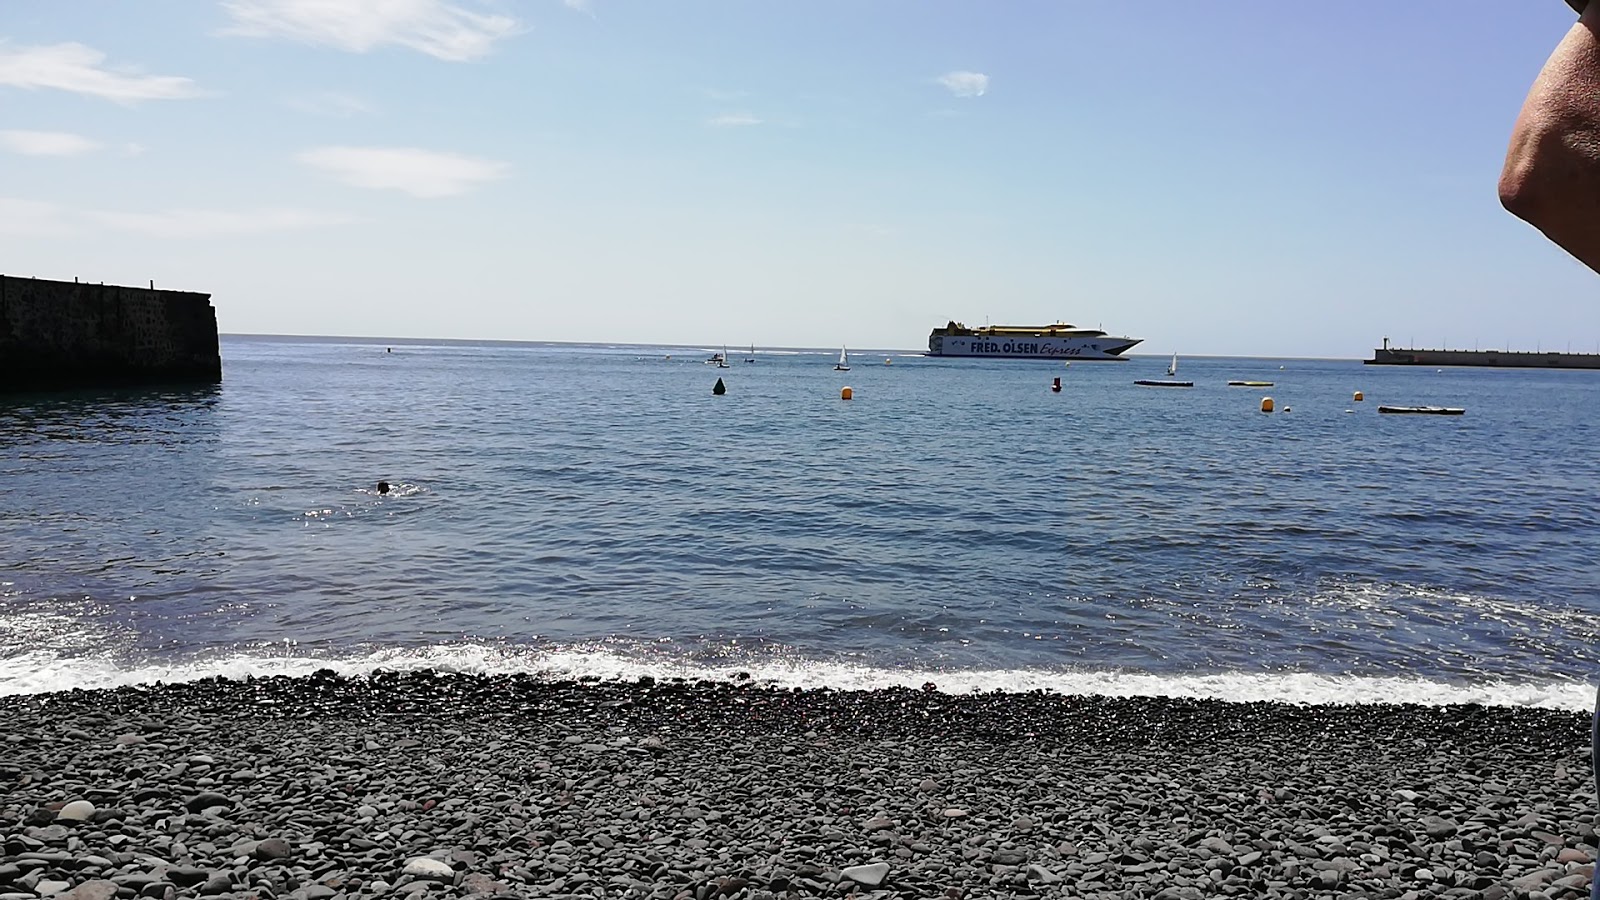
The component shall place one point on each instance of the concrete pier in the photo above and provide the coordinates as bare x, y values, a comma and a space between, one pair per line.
64, 334
1495, 359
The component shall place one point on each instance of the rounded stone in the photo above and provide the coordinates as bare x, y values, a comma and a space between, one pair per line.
271, 848
870, 875
207, 799
428, 868
76, 811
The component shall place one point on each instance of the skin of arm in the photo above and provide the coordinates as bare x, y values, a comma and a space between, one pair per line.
1551, 177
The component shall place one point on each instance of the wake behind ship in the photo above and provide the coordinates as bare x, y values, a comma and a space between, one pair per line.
1055, 341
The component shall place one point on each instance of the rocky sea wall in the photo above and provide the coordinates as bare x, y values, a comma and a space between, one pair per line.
64, 334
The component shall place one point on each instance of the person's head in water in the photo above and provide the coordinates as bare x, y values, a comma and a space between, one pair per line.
383, 487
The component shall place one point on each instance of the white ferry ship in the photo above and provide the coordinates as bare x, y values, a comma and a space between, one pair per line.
1056, 341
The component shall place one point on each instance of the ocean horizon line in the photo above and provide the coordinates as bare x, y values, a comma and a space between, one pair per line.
504, 342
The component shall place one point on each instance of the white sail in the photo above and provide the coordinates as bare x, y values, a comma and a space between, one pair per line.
1172, 367
844, 362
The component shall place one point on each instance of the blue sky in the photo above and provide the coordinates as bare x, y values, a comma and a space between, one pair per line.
1251, 178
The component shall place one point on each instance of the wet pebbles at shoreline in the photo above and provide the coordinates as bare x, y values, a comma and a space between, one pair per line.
430, 784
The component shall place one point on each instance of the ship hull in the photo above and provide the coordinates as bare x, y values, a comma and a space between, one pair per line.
1103, 348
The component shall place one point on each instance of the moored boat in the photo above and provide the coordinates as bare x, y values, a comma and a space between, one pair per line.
1424, 410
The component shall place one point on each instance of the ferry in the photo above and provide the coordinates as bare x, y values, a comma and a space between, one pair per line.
1055, 341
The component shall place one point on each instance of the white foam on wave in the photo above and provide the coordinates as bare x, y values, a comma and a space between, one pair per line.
40, 672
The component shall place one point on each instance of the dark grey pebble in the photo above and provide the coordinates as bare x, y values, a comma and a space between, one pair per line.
207, 799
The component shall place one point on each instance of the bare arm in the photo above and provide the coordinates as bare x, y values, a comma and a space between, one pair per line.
1551, 177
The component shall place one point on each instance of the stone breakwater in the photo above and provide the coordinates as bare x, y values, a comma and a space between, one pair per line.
436, 785
62, 334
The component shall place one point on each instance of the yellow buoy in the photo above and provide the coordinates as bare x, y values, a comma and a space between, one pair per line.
1360, 397
845, 393
1266, 404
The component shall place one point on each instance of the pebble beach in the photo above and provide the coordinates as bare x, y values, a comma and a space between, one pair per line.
428, 784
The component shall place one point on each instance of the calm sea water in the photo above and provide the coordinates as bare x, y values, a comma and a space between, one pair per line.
596, 510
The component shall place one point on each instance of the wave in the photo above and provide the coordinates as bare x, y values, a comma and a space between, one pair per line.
38, 672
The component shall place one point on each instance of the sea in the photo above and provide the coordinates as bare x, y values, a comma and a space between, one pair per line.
596, 510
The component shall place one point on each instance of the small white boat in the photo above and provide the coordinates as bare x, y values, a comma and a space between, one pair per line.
1424, 410
720, 360
752, 357
1172, 367
843, 365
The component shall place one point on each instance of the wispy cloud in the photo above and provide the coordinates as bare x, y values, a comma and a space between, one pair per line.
584, 6
332, 104
183, 223
77, 68
965, 84
439, 29
32, 218
421, 173
46, 143
733, 120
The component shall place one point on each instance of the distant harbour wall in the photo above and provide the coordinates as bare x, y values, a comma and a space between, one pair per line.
63, 334
1504, 359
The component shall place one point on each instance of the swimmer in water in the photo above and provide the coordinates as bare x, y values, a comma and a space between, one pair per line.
383, 487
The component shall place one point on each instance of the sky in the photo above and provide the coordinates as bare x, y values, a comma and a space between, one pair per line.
1238, 177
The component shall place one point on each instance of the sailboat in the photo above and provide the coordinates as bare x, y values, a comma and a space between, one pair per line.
752, 357
720, 360
1172, 369
844, 362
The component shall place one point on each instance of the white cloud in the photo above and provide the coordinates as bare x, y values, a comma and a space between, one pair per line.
46, 143
421, 173
437, 28
74, 67
733, 120
583, 6
31, 218
182, 223
965, 84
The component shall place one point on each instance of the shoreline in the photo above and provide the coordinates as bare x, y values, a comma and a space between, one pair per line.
516, 785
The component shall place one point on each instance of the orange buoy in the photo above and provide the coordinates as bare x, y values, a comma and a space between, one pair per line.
846, 393
1266, 404
1360, 396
